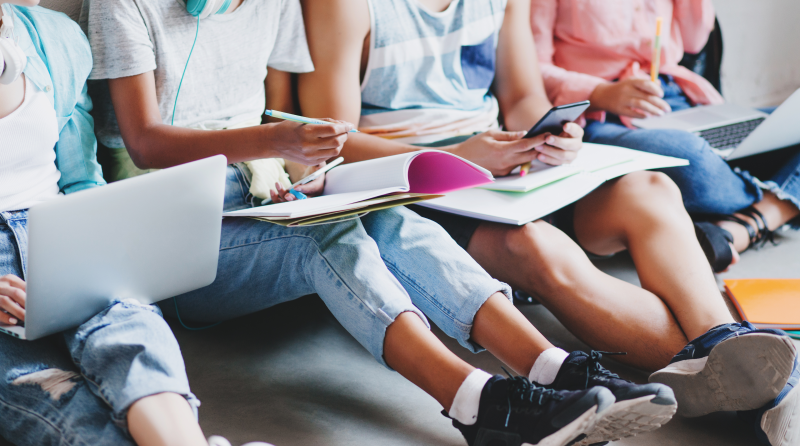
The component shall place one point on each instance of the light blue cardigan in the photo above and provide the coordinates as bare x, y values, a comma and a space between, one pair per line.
59, 62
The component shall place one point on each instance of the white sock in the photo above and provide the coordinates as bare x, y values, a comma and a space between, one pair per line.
468, 398
547, 365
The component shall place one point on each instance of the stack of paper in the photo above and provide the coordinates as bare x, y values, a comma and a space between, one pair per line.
519, 200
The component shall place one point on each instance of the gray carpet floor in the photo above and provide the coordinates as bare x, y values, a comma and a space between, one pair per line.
293, 376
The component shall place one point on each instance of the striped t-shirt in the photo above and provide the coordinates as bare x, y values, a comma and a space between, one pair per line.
429, 73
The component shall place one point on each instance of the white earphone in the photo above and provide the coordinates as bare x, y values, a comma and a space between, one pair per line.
12, 61
12, 58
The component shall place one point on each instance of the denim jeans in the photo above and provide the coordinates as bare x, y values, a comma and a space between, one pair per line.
709, 184
76, 387
367, 271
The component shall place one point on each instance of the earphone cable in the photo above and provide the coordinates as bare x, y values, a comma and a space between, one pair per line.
175, 106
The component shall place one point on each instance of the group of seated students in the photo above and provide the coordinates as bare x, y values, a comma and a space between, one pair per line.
412, 74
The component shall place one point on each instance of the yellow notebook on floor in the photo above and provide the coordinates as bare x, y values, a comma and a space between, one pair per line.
767, 303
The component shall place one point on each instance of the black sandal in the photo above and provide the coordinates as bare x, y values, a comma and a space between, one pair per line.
716, 243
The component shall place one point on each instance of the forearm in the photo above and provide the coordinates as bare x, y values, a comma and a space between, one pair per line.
523, 114
360, 147
160, 146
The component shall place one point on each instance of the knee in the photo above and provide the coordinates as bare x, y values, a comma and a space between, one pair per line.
547, 257
650, 193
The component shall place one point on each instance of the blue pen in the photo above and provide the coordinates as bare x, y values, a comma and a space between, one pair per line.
295, 118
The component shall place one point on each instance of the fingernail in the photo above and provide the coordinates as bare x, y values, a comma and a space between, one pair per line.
12, 321
550, 140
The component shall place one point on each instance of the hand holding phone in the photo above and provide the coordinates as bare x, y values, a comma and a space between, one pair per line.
556, 150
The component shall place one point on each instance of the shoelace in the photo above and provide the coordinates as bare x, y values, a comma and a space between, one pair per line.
522, 390
593, 366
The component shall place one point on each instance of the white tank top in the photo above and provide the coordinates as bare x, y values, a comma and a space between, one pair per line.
28, 172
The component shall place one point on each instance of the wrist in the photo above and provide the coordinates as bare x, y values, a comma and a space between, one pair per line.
597, 98
268, 141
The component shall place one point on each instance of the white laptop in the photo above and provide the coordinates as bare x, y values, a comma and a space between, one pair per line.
146, 238
734, 131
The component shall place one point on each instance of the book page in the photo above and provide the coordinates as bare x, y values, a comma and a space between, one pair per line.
310, 206
379, 173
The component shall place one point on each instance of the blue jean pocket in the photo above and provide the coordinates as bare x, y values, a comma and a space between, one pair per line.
478, 64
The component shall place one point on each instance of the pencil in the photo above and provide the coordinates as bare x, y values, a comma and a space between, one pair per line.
523, 169
654, 65
295, 118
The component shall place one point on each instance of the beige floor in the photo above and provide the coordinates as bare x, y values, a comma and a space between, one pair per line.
294, 377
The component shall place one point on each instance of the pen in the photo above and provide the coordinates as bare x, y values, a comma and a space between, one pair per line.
309, 179
523, 169
295, 118
654, 65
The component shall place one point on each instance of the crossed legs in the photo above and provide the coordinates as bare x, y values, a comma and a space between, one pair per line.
643, 213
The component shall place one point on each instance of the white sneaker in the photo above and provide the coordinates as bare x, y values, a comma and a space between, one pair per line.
216, 440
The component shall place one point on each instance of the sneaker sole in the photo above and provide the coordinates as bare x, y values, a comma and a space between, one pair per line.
741, 373
782, 422
630, 418
569, 434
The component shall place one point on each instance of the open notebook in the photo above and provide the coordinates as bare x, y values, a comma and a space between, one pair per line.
767, 303
355, 189
519, 200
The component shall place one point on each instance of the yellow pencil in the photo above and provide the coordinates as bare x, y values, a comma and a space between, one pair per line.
523, 169
656, 51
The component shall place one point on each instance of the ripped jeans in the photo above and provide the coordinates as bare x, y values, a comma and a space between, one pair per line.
76, 387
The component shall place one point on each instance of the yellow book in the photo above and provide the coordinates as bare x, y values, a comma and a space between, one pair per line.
767, 303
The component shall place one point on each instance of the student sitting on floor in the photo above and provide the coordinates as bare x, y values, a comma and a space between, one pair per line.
418, 70
381, 275
119, 378
598, 51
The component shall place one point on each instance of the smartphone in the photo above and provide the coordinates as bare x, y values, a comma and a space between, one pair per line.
553, 122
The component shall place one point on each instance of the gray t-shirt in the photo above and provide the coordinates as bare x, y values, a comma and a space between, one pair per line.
224, 83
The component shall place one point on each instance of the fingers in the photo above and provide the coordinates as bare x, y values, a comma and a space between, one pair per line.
556, 156
649, 87
333, 129
281, 195
526, 144
14, 281
313, 188
12, 301
499, 135
572, 130
644, 104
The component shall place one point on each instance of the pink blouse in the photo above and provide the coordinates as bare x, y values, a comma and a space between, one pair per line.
583, 43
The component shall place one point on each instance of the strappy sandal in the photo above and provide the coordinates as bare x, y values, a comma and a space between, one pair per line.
716, 242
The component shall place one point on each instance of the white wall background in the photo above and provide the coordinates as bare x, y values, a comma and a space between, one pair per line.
761, 62
761, 58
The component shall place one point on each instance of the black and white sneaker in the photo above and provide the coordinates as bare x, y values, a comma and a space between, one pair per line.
638, 408
731, 367
514, 412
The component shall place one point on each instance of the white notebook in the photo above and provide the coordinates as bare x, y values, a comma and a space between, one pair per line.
379, 183
552, 188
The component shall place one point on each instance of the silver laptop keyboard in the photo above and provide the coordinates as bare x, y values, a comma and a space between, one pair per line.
729, 136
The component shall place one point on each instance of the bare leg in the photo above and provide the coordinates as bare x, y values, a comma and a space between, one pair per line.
165, 419
501, 329
605, 312
418, 355
777, 212
643, 212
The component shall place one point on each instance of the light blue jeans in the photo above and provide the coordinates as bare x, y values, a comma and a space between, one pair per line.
75, 388
709, 185
367, 271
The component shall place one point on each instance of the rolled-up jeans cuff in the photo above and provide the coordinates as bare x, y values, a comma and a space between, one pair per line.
120, 418
388, 317
471, 307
